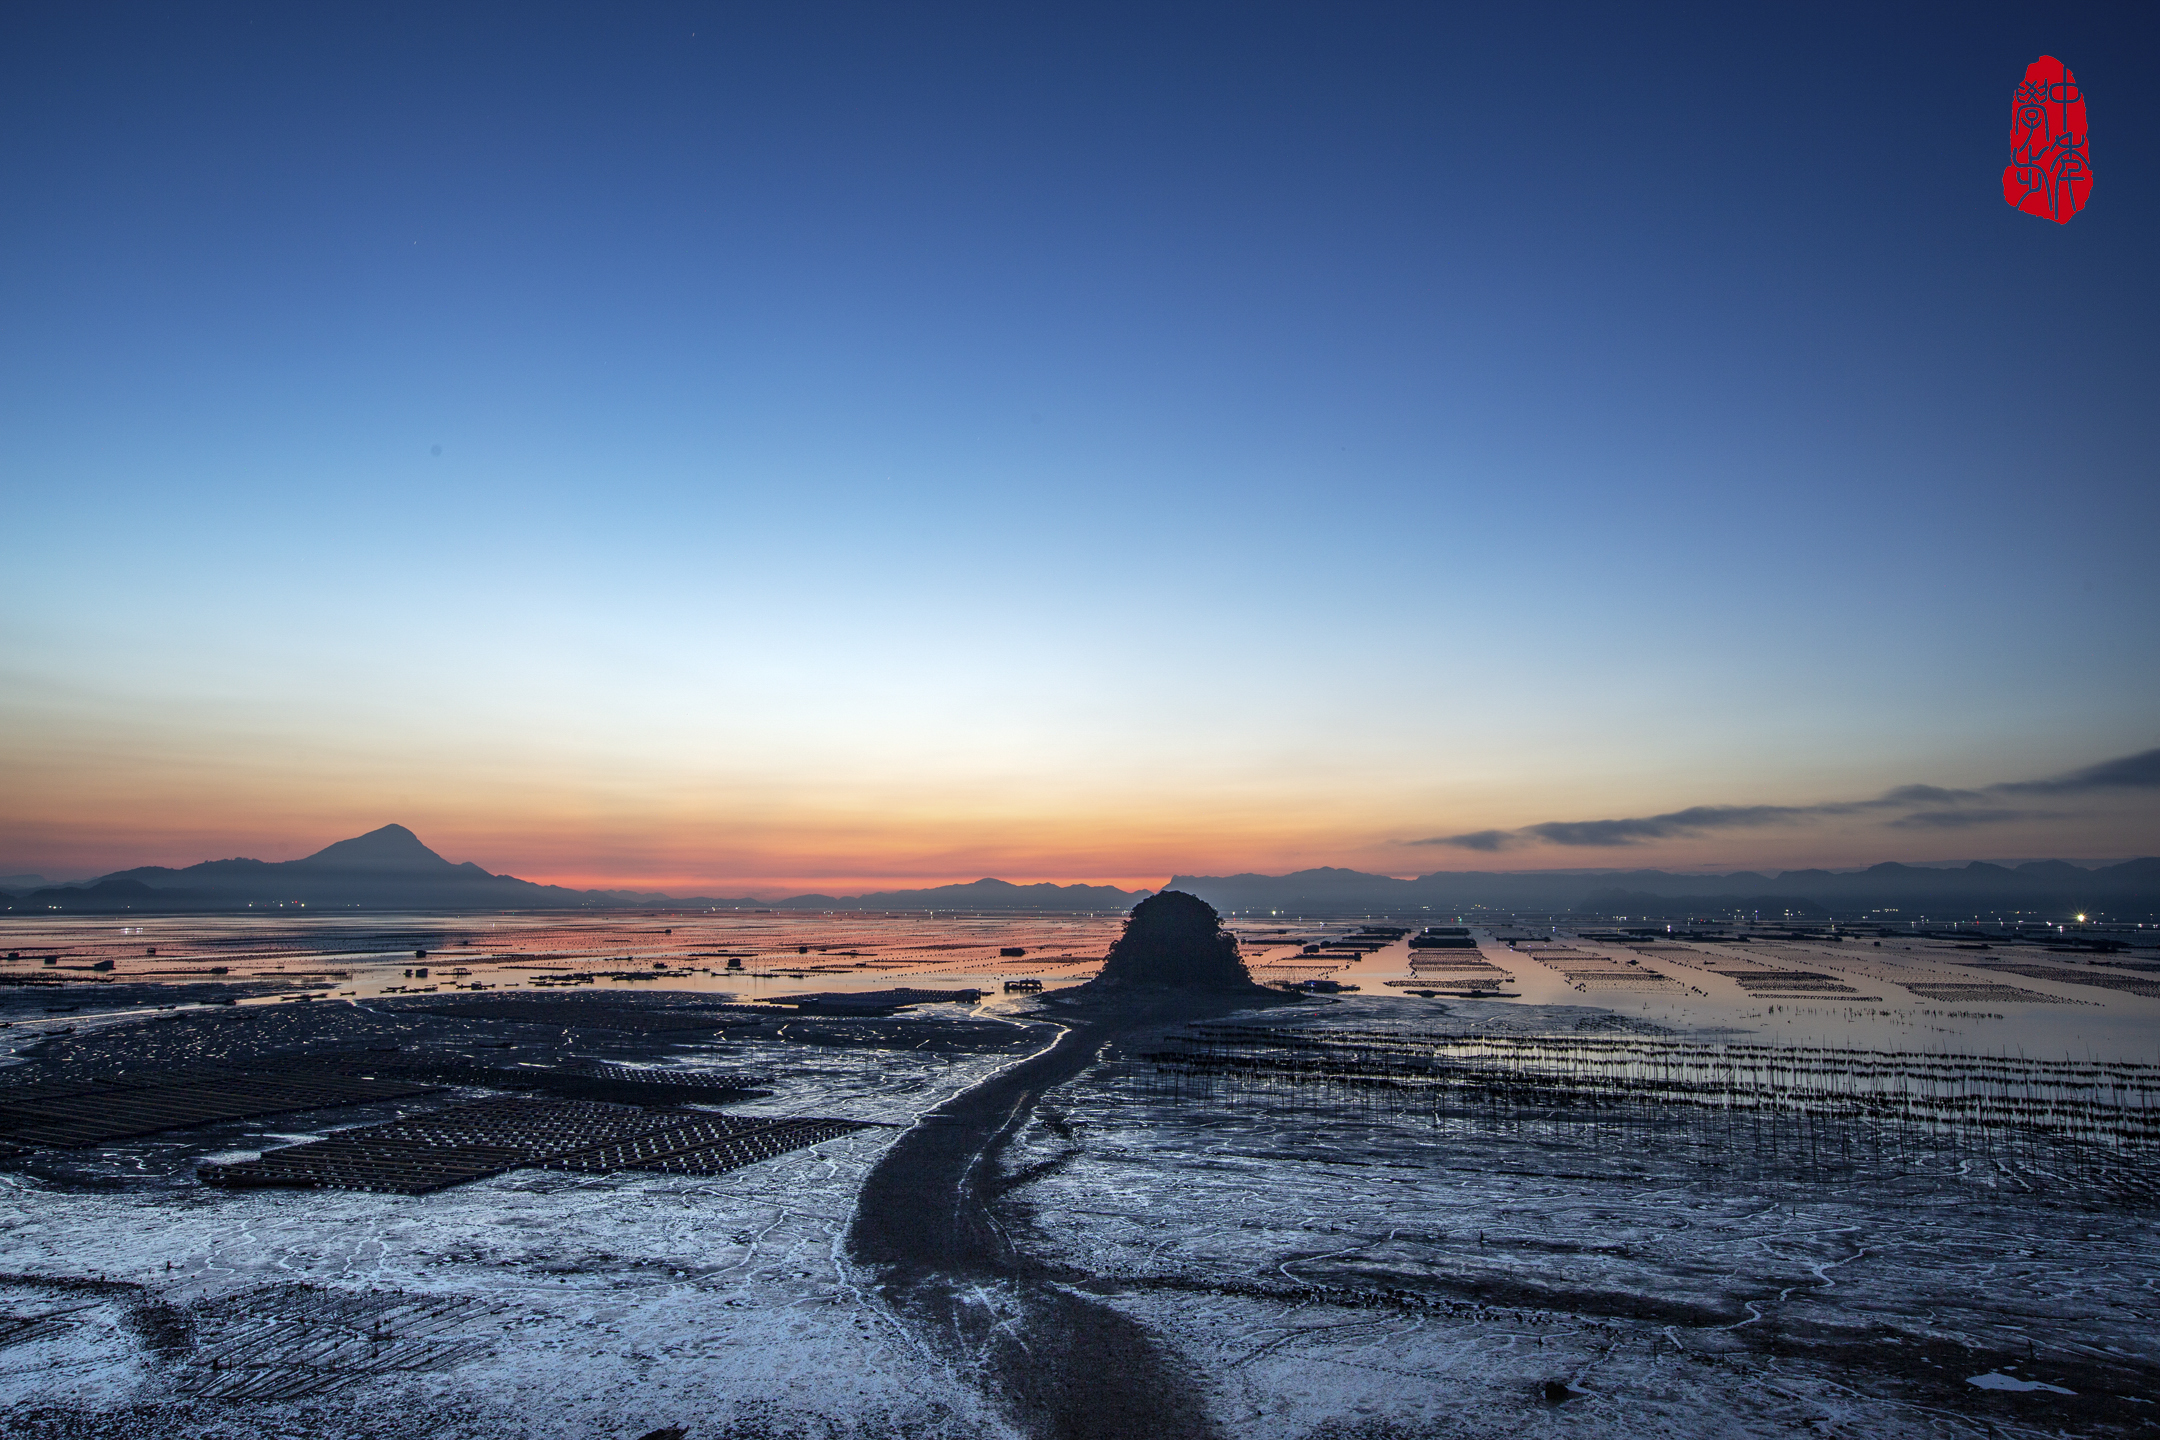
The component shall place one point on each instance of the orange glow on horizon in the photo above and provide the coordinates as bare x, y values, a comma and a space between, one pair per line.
87, 802
768, 888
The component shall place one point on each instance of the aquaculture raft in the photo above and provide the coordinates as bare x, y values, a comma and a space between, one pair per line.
580, 1080
424, 1153
595, 1014
71, 1115
2063, 974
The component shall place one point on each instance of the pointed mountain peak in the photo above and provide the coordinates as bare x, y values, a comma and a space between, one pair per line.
392, 848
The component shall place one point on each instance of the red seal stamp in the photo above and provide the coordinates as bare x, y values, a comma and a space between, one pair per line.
2050, 169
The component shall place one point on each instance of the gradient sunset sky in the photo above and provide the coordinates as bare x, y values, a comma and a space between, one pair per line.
759, 448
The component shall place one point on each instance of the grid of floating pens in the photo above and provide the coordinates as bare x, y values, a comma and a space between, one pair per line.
423, 1153
91, 1113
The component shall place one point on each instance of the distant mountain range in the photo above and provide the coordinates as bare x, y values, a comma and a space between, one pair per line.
386, 869
390, 869
976, 895
2051, 886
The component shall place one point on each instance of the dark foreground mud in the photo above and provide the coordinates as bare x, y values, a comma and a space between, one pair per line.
1058, 1363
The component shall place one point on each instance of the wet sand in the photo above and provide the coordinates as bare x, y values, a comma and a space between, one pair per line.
955, 1268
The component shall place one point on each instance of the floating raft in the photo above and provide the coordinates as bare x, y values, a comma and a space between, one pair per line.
72, 1115
594, 1014
588, 1080
424, 1153
95, 1110
872, 1002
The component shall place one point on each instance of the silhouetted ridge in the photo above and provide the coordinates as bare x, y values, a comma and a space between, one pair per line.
391, 869
2050, 887
1175, 941
393, 848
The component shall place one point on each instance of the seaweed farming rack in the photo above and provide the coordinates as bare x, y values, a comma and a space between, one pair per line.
423, 1153
1822, 1102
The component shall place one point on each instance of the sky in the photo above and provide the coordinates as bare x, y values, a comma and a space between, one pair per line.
750, 448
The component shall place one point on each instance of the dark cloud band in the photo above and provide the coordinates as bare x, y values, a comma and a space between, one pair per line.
1927, 807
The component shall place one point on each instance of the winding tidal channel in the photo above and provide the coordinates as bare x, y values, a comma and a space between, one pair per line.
954, 1264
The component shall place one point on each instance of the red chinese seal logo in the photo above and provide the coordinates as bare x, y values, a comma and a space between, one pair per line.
2050, 169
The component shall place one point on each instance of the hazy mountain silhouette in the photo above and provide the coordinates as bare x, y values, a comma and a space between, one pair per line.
391, 869
386, 869
2053, 886
392, 850
976, 895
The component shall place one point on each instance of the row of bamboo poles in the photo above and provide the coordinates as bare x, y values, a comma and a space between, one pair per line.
1823, 1105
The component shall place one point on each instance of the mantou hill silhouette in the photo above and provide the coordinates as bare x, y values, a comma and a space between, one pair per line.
1174, 941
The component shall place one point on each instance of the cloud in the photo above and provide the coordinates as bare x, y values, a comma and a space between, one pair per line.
1928, 807
1691, 821
1923, 795
1478, 840
1960, 819
2132, 772
1594, 833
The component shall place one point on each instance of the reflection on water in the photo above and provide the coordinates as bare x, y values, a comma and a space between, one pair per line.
751, 955
1902, 995
1905, 994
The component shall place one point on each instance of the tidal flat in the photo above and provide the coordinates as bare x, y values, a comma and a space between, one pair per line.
1305, 1246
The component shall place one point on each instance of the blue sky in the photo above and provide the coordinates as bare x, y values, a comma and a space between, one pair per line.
913, 442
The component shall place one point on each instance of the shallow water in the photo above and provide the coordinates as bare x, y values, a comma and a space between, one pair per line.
2059, 1019
1674, 985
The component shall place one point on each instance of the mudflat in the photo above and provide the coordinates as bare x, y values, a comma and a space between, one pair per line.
956, 1268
